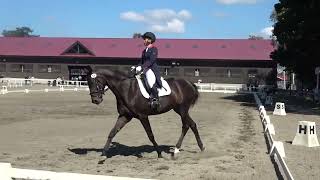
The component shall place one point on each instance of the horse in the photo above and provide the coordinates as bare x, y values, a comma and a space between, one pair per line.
131, 104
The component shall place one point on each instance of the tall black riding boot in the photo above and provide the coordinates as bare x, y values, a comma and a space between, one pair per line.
146, 84
154, 98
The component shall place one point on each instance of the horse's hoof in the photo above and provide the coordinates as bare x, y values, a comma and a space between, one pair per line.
104, 153
202, 149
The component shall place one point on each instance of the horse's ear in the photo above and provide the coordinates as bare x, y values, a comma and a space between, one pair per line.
88, 70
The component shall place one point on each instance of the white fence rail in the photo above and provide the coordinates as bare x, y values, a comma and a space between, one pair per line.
224, 88
20, 82
278, 151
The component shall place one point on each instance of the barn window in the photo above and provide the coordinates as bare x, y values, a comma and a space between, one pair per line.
252, 73
221, 72
2, 67
49, 68
21, 68
173, 71
196, 72
229, 73
165, 71
236, 73
77, 48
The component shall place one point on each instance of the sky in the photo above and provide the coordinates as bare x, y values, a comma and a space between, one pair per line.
187, 19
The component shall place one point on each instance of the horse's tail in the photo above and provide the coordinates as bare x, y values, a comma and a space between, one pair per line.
196, 95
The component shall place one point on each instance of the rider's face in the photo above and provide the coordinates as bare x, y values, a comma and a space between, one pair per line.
146, 41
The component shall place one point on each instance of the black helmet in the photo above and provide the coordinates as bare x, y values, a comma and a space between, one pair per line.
149, 35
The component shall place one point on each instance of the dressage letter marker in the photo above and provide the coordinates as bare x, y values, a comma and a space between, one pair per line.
306, 134
279, 109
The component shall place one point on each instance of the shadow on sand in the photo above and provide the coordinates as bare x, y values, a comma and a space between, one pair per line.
123, 150
243, 98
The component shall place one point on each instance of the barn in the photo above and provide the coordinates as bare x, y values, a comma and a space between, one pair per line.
209, 60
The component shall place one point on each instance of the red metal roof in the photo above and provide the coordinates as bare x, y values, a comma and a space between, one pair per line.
213, 49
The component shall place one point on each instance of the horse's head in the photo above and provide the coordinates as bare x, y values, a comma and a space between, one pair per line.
96, 86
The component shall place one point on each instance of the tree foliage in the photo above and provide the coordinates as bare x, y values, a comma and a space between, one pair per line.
19, 32
255, 37
137, 35
297, 36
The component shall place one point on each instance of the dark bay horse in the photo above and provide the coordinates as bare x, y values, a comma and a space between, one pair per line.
131, 103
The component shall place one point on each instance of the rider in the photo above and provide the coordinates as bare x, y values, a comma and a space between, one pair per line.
150, 71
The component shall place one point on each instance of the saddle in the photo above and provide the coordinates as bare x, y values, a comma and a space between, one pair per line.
163, 91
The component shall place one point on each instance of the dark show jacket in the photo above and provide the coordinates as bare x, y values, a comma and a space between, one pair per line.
149, 61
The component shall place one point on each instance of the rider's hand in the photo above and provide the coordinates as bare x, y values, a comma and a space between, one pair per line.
138, 69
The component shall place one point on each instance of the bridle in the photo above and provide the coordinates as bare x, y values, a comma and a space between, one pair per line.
99, 87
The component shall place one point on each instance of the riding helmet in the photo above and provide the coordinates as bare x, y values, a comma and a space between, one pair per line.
149, 35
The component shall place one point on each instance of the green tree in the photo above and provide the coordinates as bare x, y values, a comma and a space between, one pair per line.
19, 32
297, 36
136, 35
255, 37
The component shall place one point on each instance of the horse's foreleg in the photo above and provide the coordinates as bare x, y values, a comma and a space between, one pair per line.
194, 128
146, 125
121, 122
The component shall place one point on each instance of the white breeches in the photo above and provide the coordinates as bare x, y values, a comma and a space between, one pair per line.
151, 78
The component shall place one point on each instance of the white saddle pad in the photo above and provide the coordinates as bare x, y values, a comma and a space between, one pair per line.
164, 91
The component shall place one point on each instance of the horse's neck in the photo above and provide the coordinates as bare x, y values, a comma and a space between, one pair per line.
113, 82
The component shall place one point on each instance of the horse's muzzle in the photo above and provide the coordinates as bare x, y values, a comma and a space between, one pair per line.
96, 101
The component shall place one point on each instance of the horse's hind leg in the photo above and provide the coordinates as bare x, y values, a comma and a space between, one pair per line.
146, 125
194, 128
121, 122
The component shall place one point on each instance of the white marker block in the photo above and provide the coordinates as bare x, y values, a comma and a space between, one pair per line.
279, 109
75, 89
280, 148
5, 171
46, 90
26, 91
269, 100
87, 89
306, 134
